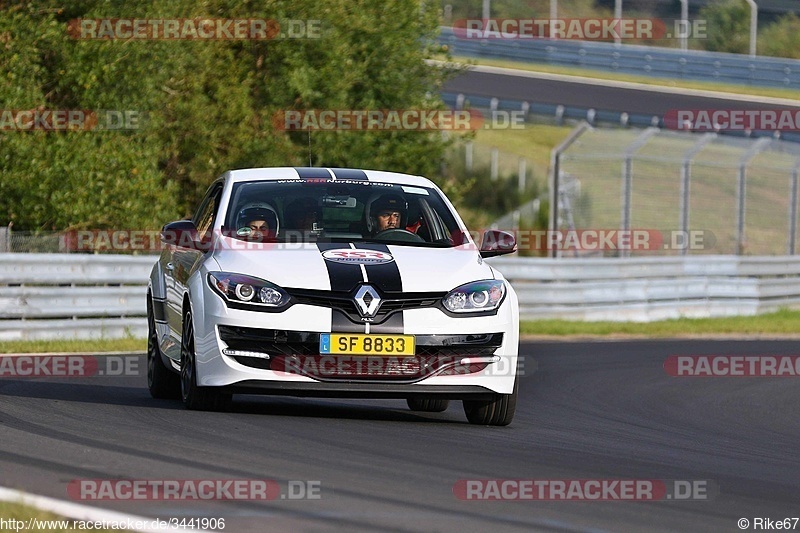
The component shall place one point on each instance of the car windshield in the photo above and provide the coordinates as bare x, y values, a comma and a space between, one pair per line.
320, 210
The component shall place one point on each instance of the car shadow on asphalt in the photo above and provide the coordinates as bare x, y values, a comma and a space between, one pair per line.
138, 396
325, 408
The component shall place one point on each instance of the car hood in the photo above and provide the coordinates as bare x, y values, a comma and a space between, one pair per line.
342, 266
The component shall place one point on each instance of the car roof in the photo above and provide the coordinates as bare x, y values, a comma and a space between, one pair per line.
294, 173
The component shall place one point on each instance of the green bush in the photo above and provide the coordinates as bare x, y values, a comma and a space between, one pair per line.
782, 38
207, 106
728, 23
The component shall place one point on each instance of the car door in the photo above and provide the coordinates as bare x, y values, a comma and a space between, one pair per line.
185, 260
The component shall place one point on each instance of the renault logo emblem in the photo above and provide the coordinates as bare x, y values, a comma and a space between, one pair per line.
368, 301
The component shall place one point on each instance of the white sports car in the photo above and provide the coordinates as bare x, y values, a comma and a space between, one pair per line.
332, 282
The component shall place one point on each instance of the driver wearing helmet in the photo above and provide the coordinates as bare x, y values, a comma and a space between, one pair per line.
257, 222
386, 212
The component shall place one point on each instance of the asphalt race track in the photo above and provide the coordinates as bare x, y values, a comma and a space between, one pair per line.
581, 95
604, 410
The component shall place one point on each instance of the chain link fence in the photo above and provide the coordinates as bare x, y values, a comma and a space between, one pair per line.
30, 242
736, 195
133, 242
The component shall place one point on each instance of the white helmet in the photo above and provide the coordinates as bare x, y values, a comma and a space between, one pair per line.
258, 211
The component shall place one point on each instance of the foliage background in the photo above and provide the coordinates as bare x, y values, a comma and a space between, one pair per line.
208, 105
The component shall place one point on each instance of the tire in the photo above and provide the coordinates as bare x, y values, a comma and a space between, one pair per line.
427, 405
194, 397
162, 382
495, 411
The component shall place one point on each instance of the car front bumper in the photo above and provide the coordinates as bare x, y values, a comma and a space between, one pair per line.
487, 364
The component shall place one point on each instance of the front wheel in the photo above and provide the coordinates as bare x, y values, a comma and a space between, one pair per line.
161, 381
427, 405
195, 397
495, 411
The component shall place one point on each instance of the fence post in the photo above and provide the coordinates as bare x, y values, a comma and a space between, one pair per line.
686, 177
684, 24
5, 239
793, 209
753, 26
495, 157
522, 172
555, 174
468, 149
741, 190
627, 179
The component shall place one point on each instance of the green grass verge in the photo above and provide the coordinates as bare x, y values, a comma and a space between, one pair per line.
23, 513
791, 94
75, 346
781, 322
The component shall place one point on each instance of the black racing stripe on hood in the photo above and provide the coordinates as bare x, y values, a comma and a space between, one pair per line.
312, 172
385, 276
349, 174
346, 277
343, 277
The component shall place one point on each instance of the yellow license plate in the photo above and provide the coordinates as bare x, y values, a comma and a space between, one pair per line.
386, 345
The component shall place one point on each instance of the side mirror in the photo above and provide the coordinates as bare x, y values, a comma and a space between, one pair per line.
496, 242
181, 233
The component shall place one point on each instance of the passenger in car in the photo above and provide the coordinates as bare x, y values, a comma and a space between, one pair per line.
257, 222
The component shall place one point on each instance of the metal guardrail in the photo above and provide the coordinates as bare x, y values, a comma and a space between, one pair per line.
652, 288
634, 59
72, 296
561, 113
45, 296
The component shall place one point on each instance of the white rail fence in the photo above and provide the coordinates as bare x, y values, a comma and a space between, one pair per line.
45, 296
63, 296
652, 288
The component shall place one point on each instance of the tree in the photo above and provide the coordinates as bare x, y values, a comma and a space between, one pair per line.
728, 23
782, 38
206, 106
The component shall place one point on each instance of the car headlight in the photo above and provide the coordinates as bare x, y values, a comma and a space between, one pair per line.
475, 297
241, 289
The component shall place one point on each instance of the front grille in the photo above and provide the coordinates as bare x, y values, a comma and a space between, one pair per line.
271, 341
298, 352
391, 302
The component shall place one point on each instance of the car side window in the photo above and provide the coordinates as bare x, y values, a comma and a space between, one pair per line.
204, 218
